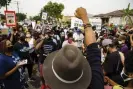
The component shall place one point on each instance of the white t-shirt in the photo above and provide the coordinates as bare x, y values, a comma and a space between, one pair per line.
78, 39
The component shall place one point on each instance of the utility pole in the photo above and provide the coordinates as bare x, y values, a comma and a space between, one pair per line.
6, 5
17, 2
18, 6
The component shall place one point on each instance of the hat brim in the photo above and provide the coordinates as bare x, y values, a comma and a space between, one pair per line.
55, 83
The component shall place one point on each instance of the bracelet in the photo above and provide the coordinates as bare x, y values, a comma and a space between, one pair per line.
87, 25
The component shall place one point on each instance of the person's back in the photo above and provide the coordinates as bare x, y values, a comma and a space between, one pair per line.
113, 65
47, 47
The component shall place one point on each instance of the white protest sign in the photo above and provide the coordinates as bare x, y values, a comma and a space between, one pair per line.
33, 24
44, 15
75, 22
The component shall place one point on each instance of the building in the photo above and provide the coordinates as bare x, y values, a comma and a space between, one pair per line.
67, 18
115, 17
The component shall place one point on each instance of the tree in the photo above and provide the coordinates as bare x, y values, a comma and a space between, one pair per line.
54, 10
4, 3
31, 18
127, 15
36, 18
21, 16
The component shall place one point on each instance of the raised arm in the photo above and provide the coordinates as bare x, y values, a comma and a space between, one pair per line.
93, 53
4, 74
90, 38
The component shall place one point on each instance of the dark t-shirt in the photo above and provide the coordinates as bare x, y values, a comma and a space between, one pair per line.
48, 47
15, 38
113, 65
22, 49
128, 43
94, 59
124, 49
15, 80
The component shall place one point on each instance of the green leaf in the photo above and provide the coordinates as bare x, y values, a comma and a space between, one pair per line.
21, 16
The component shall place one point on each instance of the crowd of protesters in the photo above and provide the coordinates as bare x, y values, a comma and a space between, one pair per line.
68, 58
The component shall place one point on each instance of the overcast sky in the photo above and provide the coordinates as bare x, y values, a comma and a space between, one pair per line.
33, 7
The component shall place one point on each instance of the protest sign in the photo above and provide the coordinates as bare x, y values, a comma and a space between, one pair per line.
4, 31
10, 18
75, 22
44, 15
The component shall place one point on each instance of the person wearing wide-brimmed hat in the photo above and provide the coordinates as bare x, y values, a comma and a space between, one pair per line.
68, 69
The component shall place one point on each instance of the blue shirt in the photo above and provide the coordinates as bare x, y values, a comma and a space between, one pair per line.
7, 63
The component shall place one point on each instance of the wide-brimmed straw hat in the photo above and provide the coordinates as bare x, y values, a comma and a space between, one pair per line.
67, 69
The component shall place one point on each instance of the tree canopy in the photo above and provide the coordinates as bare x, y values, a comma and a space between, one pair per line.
36, 18
21, 16
127, 15
54, 10
3, 3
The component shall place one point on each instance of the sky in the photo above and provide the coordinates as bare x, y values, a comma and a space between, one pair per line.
33, 7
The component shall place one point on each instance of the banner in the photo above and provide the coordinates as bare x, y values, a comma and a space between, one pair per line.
10, 18
44, 15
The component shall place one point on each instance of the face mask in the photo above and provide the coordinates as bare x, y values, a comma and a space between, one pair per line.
10, 49
28, 35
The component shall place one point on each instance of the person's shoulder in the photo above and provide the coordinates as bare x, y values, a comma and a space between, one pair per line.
3, 58
65, 42
17, 43
114, 53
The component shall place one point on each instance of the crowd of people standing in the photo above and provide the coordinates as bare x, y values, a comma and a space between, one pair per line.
68, 58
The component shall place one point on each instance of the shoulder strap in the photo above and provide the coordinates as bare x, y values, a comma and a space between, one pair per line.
119, 61
122, 57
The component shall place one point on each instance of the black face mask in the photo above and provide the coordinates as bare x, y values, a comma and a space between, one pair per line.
10, 49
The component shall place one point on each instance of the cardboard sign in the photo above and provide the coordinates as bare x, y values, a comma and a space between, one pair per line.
44, 15
10, 18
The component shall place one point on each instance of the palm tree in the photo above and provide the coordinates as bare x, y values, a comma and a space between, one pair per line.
127, 15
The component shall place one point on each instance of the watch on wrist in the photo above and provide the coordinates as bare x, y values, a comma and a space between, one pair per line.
87, 25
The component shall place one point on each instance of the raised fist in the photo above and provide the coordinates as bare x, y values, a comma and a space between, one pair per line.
81, 13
